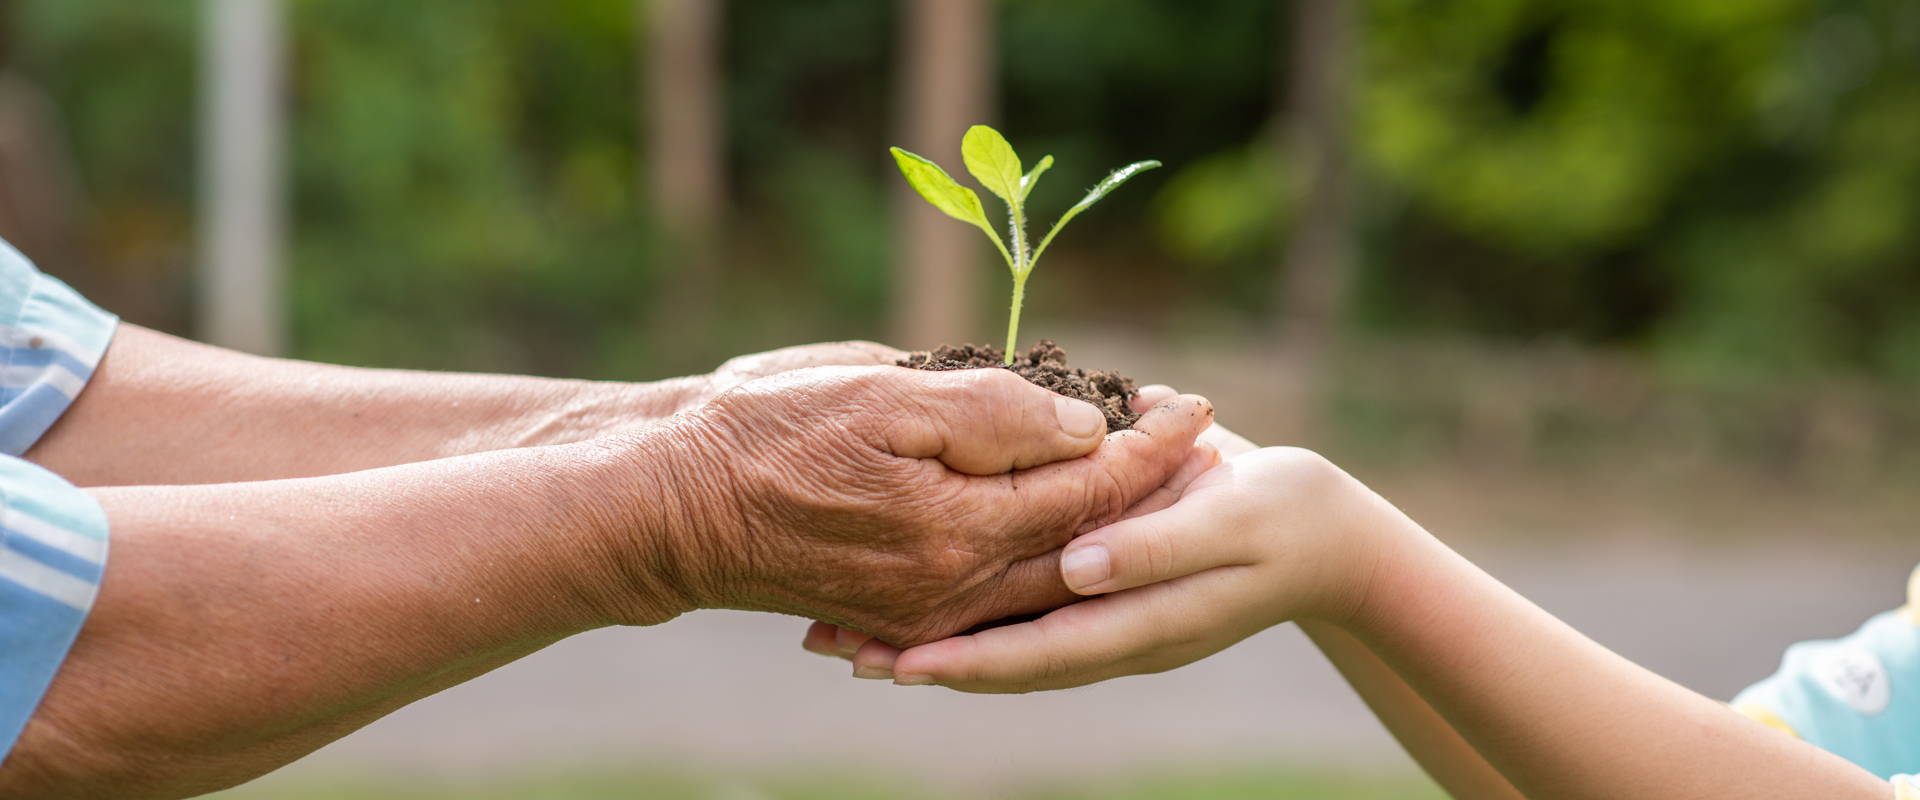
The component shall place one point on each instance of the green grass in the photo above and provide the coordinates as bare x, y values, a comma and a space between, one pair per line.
1224, 784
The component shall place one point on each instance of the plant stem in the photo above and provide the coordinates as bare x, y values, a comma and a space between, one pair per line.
1022, 266
1013, 316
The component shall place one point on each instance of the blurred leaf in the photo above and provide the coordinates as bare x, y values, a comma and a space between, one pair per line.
1225, 207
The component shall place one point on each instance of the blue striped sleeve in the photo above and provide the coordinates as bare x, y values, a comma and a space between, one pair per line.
53, 550
51, 339
53, 537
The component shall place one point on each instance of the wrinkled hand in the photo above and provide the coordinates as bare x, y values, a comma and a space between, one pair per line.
907, 504
1214, 443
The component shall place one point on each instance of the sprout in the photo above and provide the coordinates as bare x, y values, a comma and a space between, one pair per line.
993, 163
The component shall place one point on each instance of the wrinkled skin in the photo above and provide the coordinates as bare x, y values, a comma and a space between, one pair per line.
910, 505
876, 658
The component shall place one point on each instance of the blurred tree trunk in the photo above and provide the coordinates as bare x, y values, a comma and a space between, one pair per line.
39, 193
1314, 126
685, 167
240, 301
946, 64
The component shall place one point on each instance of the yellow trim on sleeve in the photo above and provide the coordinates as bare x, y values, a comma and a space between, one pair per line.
1905, 789
1765, 716
1911, 611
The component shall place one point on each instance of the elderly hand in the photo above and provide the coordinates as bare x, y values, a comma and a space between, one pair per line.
911, 505
877, 659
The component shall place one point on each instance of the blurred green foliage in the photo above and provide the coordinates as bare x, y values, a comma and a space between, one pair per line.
1730, 186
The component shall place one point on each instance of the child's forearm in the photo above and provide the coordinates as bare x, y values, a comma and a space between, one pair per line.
1447, 758
1556, 713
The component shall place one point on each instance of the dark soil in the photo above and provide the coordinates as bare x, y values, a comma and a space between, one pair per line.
1046, 366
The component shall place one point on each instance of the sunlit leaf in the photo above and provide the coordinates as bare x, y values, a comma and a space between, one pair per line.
946, 194
939, 188
992, 162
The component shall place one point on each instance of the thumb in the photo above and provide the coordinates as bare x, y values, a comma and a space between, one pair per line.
990, 421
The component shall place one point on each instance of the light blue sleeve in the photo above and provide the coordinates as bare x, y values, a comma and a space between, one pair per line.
1857, 696
53, 549
53, 537
51, 339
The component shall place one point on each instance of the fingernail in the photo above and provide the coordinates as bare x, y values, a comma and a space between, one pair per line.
913, 680
872, 673
1078, 419
1085, 566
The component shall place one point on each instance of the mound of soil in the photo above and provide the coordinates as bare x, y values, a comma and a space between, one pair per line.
1046, 366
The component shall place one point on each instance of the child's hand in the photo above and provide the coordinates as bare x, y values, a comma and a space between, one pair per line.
1273, 535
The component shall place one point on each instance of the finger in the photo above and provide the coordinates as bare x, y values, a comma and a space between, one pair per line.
1023, 589
1229, 444
1183, 539
1026, 587
874, 660
1201, 458
1074, 497
847, 641
986, 421
819, 639
1133, 632
1151, 396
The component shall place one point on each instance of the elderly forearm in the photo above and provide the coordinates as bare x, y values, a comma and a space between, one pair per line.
1559, 715
241, 626
163, 410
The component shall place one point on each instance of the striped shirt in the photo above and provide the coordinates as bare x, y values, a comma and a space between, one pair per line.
53, 537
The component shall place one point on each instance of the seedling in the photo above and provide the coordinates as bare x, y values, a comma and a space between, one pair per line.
994, 164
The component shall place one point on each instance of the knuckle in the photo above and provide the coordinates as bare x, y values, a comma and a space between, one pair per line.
991, 385
1157, 552
1053, 665
1104, 500
992, 378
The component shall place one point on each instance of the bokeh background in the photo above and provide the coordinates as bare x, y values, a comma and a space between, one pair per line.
1621, 297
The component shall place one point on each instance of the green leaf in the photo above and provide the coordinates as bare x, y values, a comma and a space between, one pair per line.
1031, 178
940, 189
1111, 182
946, 194
992, 162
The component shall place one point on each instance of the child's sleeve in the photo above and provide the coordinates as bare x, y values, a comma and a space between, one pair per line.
1857, 697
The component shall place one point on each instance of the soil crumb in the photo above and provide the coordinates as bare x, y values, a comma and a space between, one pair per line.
1046, 366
